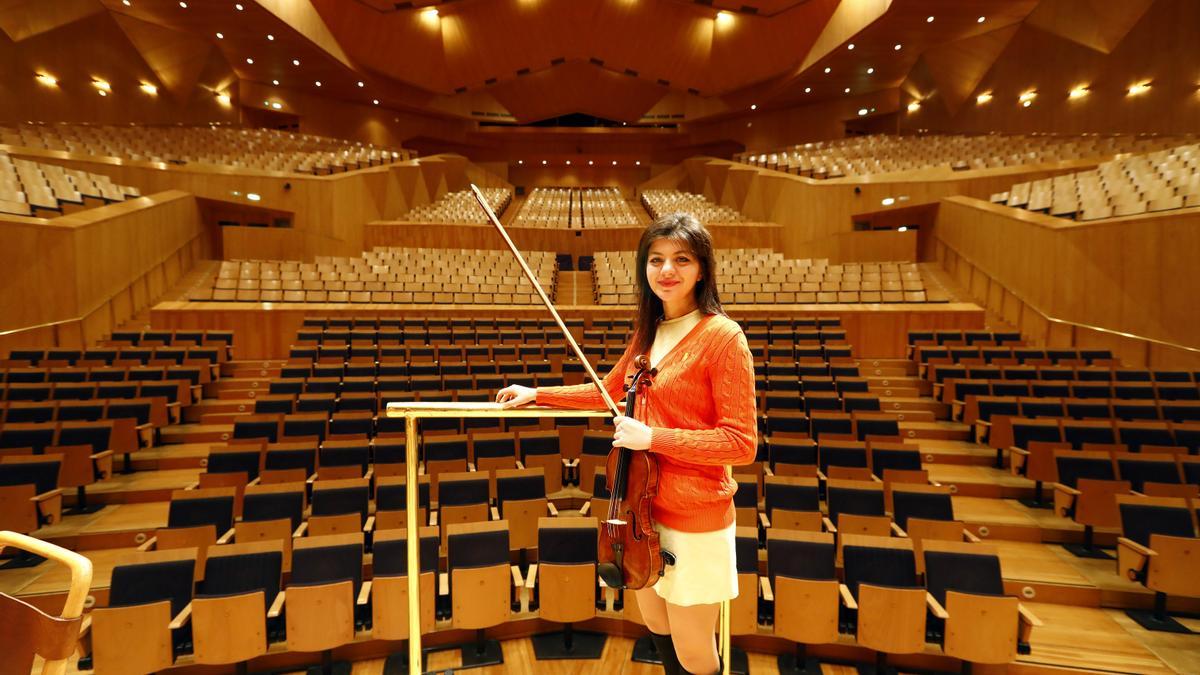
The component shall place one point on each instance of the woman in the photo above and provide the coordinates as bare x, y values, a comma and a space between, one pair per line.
698, 416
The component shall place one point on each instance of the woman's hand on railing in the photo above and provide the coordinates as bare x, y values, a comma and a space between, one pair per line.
515, 395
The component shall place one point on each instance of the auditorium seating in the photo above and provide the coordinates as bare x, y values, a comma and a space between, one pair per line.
460, 207
1150, 182
387, 275
877, 154
214, 144
1158, 549
44, 190
659, 203
765, 277
575, 208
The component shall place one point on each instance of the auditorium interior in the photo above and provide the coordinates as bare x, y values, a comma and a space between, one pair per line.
247, 269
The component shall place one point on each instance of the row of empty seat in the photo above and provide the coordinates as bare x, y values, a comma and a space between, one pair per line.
760, 276
661, 202
461, 207
875, 154
1155, 181
575, 208
215, 144
30, 188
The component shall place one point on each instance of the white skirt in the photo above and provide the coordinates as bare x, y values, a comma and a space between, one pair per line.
705, 569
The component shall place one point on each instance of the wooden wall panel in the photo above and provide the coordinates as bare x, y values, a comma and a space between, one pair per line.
1132, 275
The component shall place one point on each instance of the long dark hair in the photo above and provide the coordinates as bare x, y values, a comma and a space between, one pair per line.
683, 227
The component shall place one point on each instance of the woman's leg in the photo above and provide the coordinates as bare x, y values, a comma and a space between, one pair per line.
654, 613
693, 630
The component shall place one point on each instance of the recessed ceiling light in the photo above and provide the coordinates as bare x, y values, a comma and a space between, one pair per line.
183, 4
754, 106
929, 19
543, 162
253, 196
847, 90
102, 92
127, 3
295, 62
828, 70
220, 36
850, 46
808, 90
862, 111
375, 101
361, 84
981, 19
568, 162
914, 106
270, 37
48, 80
276, 106
275, 82
318, 83
590, 162
149, 88
897, 47
238, 5
870, 71
250, 61
520, 161
614, 162
638, 163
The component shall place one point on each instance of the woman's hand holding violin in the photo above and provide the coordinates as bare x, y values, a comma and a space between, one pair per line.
515, 395
631, 434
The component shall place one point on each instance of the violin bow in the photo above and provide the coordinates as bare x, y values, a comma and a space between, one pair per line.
608, 400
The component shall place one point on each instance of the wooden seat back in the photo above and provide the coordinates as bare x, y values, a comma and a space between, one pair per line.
981, 628
480, 581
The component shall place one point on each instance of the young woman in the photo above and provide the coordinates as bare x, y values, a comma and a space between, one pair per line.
697, 417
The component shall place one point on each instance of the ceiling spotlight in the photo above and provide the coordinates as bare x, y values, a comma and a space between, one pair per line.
102, 92
295, 62
828, 70
929, 19
1140, 88
520, 161
850, 46
223, 98
543, 162
48, 80
888, 201
897, 47
430, 16
238, 6
847, 90
361, 84
1027, 96
808, 90
250, 61
318, 83
724, 18
870, 71
590, 162
914, 106
568, 162
902, 228
149, 88
375, 101
862, 112
253, 196
127, 3
275, 82
614, 162
981, 19
276, 105
220, 36
1079, 92
983, 98
102, 85
270, 37
754, 106
638, 163
183, 5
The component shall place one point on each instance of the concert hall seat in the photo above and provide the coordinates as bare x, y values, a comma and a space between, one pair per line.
237, 603
1158, 548
801, 592
344, 459
567, 587
1086, 493
464, 500
29, 495
541, 449
521, 501
144, 626
1037, 464
323, 594
480, 585
269, 427
492, 452
341, 507
593, 455
886, 604
444, 454
792, 503
973, 619
387, 592
792, 456
391, 502
1148, 471
82, 466
282, 461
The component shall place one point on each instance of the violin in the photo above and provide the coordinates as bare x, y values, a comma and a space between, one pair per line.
629, 555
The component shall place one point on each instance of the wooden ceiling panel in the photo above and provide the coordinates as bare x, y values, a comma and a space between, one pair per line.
577, 86
22, 19
177, 58
958, 67
1098, 24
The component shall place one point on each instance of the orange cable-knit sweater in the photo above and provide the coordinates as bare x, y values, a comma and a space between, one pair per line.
701, 411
